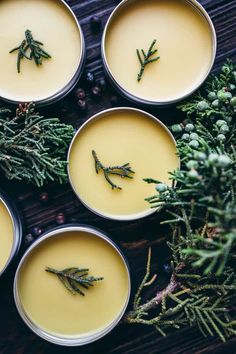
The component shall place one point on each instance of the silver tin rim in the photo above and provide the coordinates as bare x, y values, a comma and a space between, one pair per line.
197, 6
72, 83
69, 341
98, 116
17, 230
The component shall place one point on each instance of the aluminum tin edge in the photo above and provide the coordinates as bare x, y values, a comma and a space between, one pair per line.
17, 229
131, 97
97, 116
72, 83
70, 341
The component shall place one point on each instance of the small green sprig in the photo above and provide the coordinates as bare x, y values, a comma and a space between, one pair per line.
147, 58
74, 278
124, 171
30, 49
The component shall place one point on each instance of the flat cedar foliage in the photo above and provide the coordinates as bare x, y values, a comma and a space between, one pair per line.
202, 215
32, 147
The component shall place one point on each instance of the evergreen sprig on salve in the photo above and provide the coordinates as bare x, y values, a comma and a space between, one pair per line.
32, 147
202, 208
75, 280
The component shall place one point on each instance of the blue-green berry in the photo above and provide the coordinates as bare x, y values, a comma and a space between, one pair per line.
233, 101
232, 87
223, 95
213, 157
189, 127
200, 156
202, 106
212, 96
216, 103
186, 137
220, 122
193, 174
194, 143
223, 160
176, 128
193, 136
161, 187
224, 129
191, 164
221, 137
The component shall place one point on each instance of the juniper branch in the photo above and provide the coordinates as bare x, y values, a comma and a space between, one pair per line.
33, 148
189, 300
202, 197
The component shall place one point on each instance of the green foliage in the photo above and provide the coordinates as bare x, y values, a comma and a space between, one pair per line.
33, 148
202, 199
189, 299
30, 49
202, 209
146, 58
123, 171
74, 279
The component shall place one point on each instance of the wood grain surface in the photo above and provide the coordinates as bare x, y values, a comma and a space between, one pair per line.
134, 237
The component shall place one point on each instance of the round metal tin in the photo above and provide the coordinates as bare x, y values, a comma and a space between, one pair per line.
197, 6
53, 338
72, 83
96, 117
17, 229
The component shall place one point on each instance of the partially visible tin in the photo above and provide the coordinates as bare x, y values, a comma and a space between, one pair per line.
132, 97
70, 86
69, 341
17, 229
98, 116
72, 83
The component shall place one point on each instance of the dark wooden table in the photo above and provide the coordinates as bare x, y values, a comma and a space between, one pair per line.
135, 237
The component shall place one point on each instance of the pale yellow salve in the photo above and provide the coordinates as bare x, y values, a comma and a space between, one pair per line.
184, 45
6, 235
51, 306
50, 23
120, 137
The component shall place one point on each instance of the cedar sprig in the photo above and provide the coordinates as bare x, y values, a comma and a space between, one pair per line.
202, 216
202, 199
123, 171
146, 58
189, 299
30, 49
32, 147
74, 279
